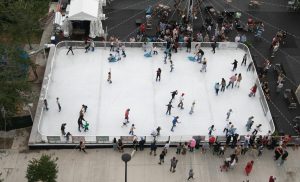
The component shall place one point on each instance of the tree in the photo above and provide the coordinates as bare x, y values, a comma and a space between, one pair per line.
44, 169
21, 19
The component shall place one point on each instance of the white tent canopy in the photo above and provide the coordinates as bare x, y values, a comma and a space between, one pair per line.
82, 10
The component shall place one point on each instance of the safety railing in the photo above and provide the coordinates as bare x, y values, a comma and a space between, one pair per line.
128, 139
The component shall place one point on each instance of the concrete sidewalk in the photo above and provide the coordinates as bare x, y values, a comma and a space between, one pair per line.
105, 165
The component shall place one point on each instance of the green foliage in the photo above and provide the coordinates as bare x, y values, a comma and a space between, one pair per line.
13, 79
44, 169
21, 18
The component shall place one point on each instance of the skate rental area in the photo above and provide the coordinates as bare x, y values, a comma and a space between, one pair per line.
82, 79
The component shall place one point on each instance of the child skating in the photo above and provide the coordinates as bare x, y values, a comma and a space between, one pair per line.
126, 121
131, 130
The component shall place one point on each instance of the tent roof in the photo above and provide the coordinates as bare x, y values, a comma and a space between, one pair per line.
84, 10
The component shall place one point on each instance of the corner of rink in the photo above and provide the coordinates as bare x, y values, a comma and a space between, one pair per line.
82, 79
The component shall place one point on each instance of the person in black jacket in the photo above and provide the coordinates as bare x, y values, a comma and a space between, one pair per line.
153, 148
214, 45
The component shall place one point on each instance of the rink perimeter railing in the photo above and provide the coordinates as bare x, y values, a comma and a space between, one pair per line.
58, 139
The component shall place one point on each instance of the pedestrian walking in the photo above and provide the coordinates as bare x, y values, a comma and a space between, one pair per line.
244, 62
179, 148
169, 107
82, 146
70, 49
283, 158
171, 66
46, 104
204, 65
249, 167
62, 129
279, 87
223, 85
166, 147
238, 81
278, 152
158, 73
192, 144
153, 148
162, 157
217, 88
235, 62
192, 108
174, 121
174, 162
228, 114
173, 94
58, 104
131, 130
275, 49
142, 143
249, 123
211, 129
232, 79
191, 174
126, 117
114, 144
260, 150
180, 104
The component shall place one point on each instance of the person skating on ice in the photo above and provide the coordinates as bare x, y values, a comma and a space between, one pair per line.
180, 105
171, 66
192, 108
249, 66
249, 123
62, 129
244, 62
70, 49
169, 107
58, 104
81, 117
126, 117
253, 91
123, 50
232, 79
217, 88
109, 77
256, 130
223, 85
155, 50
173, 94
174, 121
158, 74
131, 131
238, 80
235, 62
211, 129
204, 65
228, 125
46, 104
158, 130
228, 114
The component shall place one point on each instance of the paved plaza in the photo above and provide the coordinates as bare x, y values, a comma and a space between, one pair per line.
105, 165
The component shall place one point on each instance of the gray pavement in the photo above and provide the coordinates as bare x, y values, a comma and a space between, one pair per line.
105, 165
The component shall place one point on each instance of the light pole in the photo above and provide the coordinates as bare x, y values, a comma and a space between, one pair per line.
126, 157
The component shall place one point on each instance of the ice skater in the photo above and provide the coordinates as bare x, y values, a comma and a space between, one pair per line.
256, 130
238, 80
249, 66
165, 58
244, 62
235, 62
253, 91
109, 77
131, 130
211, 129
58, 104
217, 88
169, 107
123, 51
70, 49
232, 79
174, 121
192, 108
227, 128
81, 117
158, 74
213, 46
93, 45
155, 50
46, 104
171, 66
180, 105
62, 129
228, 114
173, 94
158, 130
204, 65
84, 108
126, 117
87, 46
112, 47
249, 123
223, 85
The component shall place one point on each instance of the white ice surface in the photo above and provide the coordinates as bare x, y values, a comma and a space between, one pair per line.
81, 79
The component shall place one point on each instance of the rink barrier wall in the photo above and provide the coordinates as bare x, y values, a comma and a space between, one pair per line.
128, 139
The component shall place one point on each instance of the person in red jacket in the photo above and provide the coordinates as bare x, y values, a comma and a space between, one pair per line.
126, 117
248, 167
272, 179
253, 91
